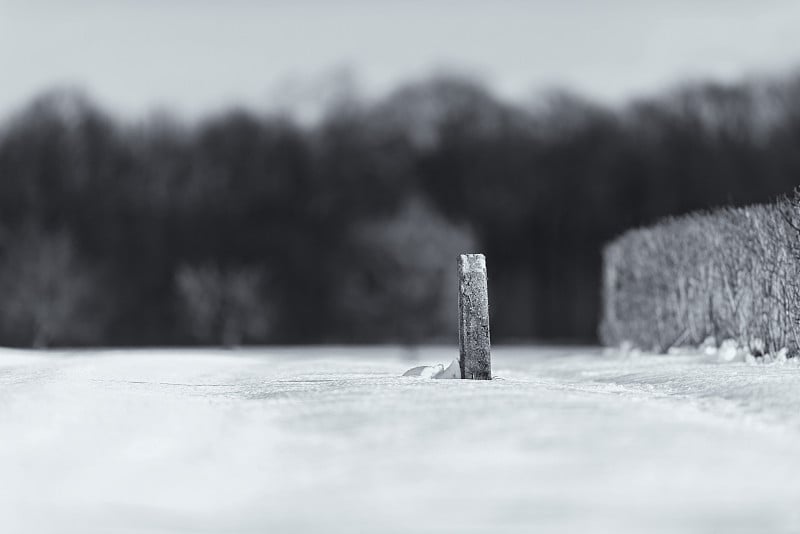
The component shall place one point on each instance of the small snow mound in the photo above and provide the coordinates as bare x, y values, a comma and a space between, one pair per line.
452, 371
626, 350
730, 351
709, 346
780, 356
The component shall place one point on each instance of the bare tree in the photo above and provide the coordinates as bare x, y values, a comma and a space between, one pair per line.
223, 305
47, 291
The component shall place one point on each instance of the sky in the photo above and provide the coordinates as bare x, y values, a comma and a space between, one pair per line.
194, 57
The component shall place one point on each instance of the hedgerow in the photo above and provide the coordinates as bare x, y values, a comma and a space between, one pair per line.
732, 273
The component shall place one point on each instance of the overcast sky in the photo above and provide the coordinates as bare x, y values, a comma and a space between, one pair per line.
193, 56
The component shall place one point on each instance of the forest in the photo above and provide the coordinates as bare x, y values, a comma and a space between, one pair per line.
249, 227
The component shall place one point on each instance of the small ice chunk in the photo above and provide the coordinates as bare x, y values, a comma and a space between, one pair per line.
436, 371
452, 371
425, 371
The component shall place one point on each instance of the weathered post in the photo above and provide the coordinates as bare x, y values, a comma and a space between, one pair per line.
473, 325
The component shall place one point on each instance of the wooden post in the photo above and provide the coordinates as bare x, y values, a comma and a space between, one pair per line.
473, 310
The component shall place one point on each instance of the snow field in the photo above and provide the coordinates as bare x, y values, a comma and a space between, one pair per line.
337, 440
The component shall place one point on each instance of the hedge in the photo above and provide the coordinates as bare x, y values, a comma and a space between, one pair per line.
732, 273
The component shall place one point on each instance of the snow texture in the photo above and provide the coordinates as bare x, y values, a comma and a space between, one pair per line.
337, 440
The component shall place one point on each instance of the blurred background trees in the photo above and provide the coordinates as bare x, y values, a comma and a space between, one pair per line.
223, 306
49, 296
399, 286
157, 232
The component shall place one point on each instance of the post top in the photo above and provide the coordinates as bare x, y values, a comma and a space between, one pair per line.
472, 262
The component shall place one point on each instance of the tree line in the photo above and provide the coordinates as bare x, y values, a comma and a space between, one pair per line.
247, 227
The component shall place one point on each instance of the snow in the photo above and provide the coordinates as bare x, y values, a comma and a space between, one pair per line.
336, 440
452, 371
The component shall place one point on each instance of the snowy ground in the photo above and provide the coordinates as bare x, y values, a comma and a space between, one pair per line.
336, 440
